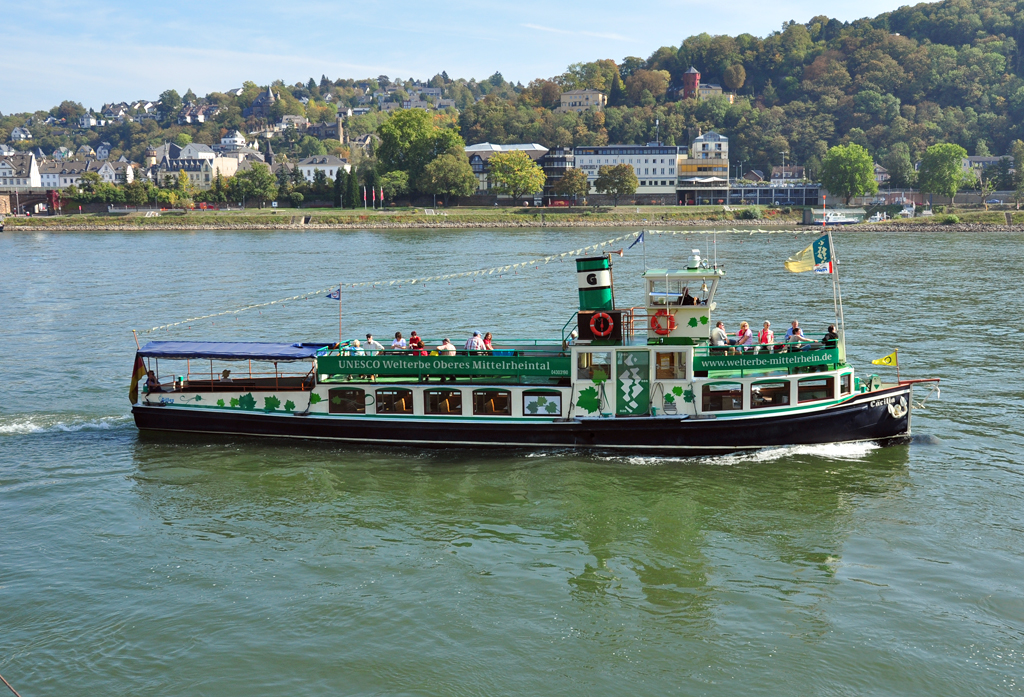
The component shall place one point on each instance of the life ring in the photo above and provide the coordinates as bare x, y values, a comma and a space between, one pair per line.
609, 325
657, 326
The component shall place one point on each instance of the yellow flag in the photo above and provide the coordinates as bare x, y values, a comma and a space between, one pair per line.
804, 261
891, 359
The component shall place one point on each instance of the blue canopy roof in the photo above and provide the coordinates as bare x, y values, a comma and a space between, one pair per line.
231, 350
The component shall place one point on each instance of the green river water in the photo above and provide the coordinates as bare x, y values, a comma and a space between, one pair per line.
199, 566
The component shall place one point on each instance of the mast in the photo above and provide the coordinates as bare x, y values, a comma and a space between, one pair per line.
837, 293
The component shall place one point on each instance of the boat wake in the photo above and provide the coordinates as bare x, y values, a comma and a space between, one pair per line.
847, 452
57, 423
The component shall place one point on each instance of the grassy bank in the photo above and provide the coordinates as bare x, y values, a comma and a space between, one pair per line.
288, 218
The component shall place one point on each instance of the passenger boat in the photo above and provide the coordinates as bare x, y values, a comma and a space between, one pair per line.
626, 380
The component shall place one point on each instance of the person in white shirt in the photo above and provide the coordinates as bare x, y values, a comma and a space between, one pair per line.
375, 346
446, 348
399, 343
718, 335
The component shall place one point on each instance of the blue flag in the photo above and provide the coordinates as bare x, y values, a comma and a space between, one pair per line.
335, 295
639, 239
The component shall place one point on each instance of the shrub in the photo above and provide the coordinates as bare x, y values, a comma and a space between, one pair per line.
296, 198
938, 209
752, 213
950, 220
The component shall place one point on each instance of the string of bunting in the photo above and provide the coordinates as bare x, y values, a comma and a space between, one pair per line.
467, 274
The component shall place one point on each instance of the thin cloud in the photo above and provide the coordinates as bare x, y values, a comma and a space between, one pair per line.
614, 37
550, 29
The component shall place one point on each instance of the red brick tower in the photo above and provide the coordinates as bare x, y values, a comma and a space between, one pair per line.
691, 81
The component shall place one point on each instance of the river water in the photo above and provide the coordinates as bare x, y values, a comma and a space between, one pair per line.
175, 565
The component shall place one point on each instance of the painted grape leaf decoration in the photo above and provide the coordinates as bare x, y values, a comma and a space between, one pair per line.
247, 401
271, 403
688, 396
541, 401
677, 391
599, 377
335, 400
289, 405
315, 398
692, 322
703, 319
234, 401
552, 408
669, 399
533, 406
589, 401
199, 398
220, 402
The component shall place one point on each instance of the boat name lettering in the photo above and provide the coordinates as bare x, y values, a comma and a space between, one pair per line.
882, 402
789, 359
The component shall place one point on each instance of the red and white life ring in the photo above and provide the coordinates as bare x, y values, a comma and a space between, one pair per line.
607, 322
656, 325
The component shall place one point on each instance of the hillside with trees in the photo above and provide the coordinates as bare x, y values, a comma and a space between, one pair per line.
947, 72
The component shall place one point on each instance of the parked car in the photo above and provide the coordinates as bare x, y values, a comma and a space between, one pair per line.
993, 200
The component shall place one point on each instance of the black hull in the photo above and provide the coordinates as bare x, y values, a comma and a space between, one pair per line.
865, 417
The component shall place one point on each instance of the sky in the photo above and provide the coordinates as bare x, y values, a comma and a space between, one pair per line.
100, 51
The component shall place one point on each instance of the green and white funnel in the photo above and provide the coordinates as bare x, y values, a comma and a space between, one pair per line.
594, 280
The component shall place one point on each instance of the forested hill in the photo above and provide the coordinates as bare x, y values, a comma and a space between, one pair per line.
941, 72
948, 71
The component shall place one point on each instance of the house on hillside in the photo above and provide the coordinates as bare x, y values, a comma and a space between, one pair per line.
786, 175
582, 100
103, 151
19, 133
328, 164
481, 153
262, 105
20, 171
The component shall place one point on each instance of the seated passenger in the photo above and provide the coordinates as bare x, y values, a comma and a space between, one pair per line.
416, 344
225, 376
374, 347
831, 337
797, 338
766, 336
355, 349
399, 343
719, 337
152, 384
744, 337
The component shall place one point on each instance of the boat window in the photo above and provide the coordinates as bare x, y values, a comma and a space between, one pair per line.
394, 401
491, 402
542, 403
769, 394
670, 366
346, 401
722, 396
442, 402
846, 383
591, 364
813, 389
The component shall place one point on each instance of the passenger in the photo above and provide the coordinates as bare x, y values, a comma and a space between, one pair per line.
719, 337
355, 349
399, 343
475, 343
766, 336
831, 337
416, 344
797, 338
374, 346
446, 348
744, 337
152, 384
487, 343
225, 376
793, 327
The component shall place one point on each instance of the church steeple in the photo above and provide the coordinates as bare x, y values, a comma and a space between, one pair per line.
268, 157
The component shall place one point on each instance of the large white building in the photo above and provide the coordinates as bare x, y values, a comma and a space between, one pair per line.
655, 165
480, 153
19, 171
328, 164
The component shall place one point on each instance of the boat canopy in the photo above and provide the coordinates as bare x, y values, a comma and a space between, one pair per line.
229, 350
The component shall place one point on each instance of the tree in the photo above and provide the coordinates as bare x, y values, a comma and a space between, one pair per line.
395, 184
901, 169
1017, 150
515, 174
734, 76
448, 175
654, 81
136, 193
412, 138
71, 111
942, 170
352, 200
182, 139
340, 183
617, 95
574, 183
257, 182
183, 183
170, 103
310, 146
616, 180
89, 181
322, 186
848, 171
